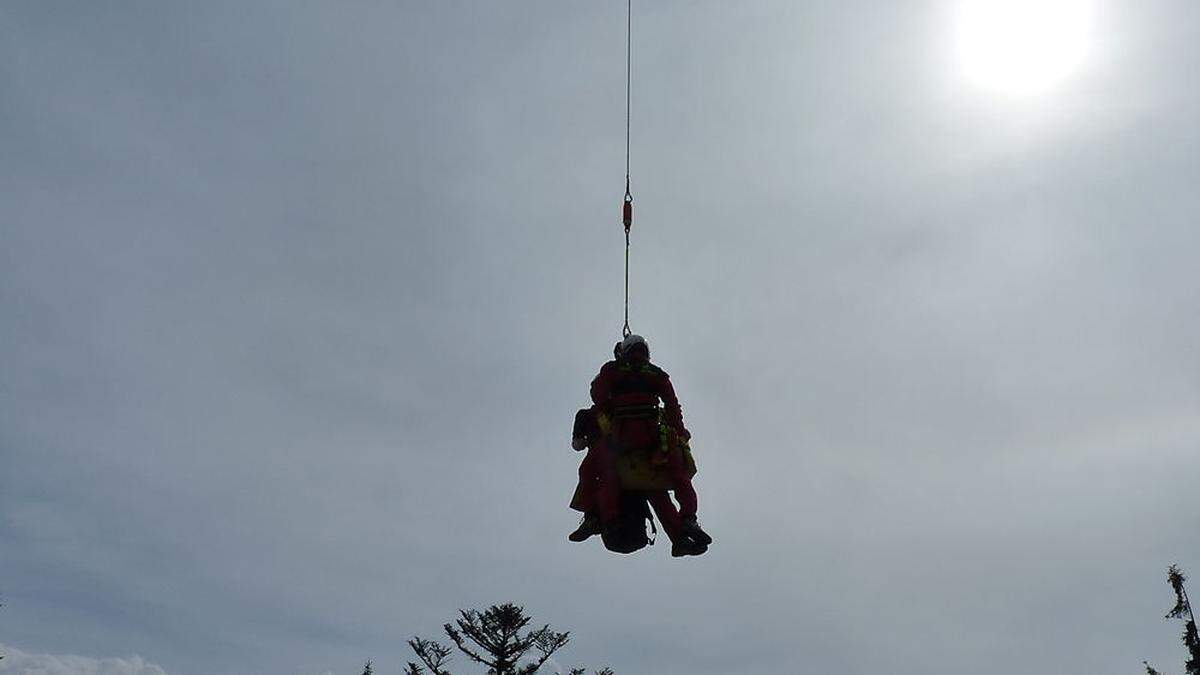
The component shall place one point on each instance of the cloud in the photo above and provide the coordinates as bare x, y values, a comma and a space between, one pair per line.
21, 663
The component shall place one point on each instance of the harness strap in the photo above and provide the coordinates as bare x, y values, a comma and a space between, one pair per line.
626, 412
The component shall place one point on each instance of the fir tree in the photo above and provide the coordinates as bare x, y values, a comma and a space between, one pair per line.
1182, 610
496, 638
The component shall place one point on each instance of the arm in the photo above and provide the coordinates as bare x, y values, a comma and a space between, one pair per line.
582, 432
674, 412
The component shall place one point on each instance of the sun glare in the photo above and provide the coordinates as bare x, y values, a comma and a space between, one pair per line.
1022, 46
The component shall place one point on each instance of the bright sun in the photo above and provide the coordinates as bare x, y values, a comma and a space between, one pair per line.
1022, 46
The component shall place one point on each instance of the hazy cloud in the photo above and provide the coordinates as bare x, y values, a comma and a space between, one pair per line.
21, 663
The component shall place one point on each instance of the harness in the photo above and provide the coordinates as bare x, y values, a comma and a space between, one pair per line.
637, 387
667, 438
648, 411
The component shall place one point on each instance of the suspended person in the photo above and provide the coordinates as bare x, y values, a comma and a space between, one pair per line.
587, 433
627, 391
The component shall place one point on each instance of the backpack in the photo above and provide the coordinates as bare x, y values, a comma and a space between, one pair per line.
628, 533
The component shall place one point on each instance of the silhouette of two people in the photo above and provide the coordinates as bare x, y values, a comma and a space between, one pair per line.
637, 452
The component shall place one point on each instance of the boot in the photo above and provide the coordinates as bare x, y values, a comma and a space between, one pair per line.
589, 526
692, 529
685, 547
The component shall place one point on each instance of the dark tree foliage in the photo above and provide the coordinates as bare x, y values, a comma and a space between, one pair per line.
496, 638
1182, 610
368, 669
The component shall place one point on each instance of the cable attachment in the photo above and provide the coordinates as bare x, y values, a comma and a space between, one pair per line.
627, 218
627, 209
626, 332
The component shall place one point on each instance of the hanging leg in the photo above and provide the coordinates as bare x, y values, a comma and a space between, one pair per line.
685, 493
608, 490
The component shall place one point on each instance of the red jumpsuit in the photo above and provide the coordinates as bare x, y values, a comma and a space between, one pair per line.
628, 393
586, 496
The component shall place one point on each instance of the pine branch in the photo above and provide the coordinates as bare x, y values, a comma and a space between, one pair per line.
432, 654
1192, 641
1175, 578
457, 638
478, 628
1183, 609
547, 642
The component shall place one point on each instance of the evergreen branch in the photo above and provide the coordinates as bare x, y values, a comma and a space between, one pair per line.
432, 654
463, 647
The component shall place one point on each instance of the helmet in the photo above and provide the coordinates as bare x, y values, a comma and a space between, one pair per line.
630, 343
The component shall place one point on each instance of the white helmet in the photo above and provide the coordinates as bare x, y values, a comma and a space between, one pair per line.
630, 342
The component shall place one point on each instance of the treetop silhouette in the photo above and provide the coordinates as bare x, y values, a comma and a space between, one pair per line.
495, 638
1182, 610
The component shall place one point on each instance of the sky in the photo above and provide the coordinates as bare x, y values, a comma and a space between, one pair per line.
298, 300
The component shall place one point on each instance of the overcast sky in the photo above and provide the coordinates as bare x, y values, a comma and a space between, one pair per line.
299, 298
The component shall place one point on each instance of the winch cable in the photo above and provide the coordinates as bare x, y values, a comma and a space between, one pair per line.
627, 205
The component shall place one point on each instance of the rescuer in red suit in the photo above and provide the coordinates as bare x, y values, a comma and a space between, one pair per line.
587, 434
627, 390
